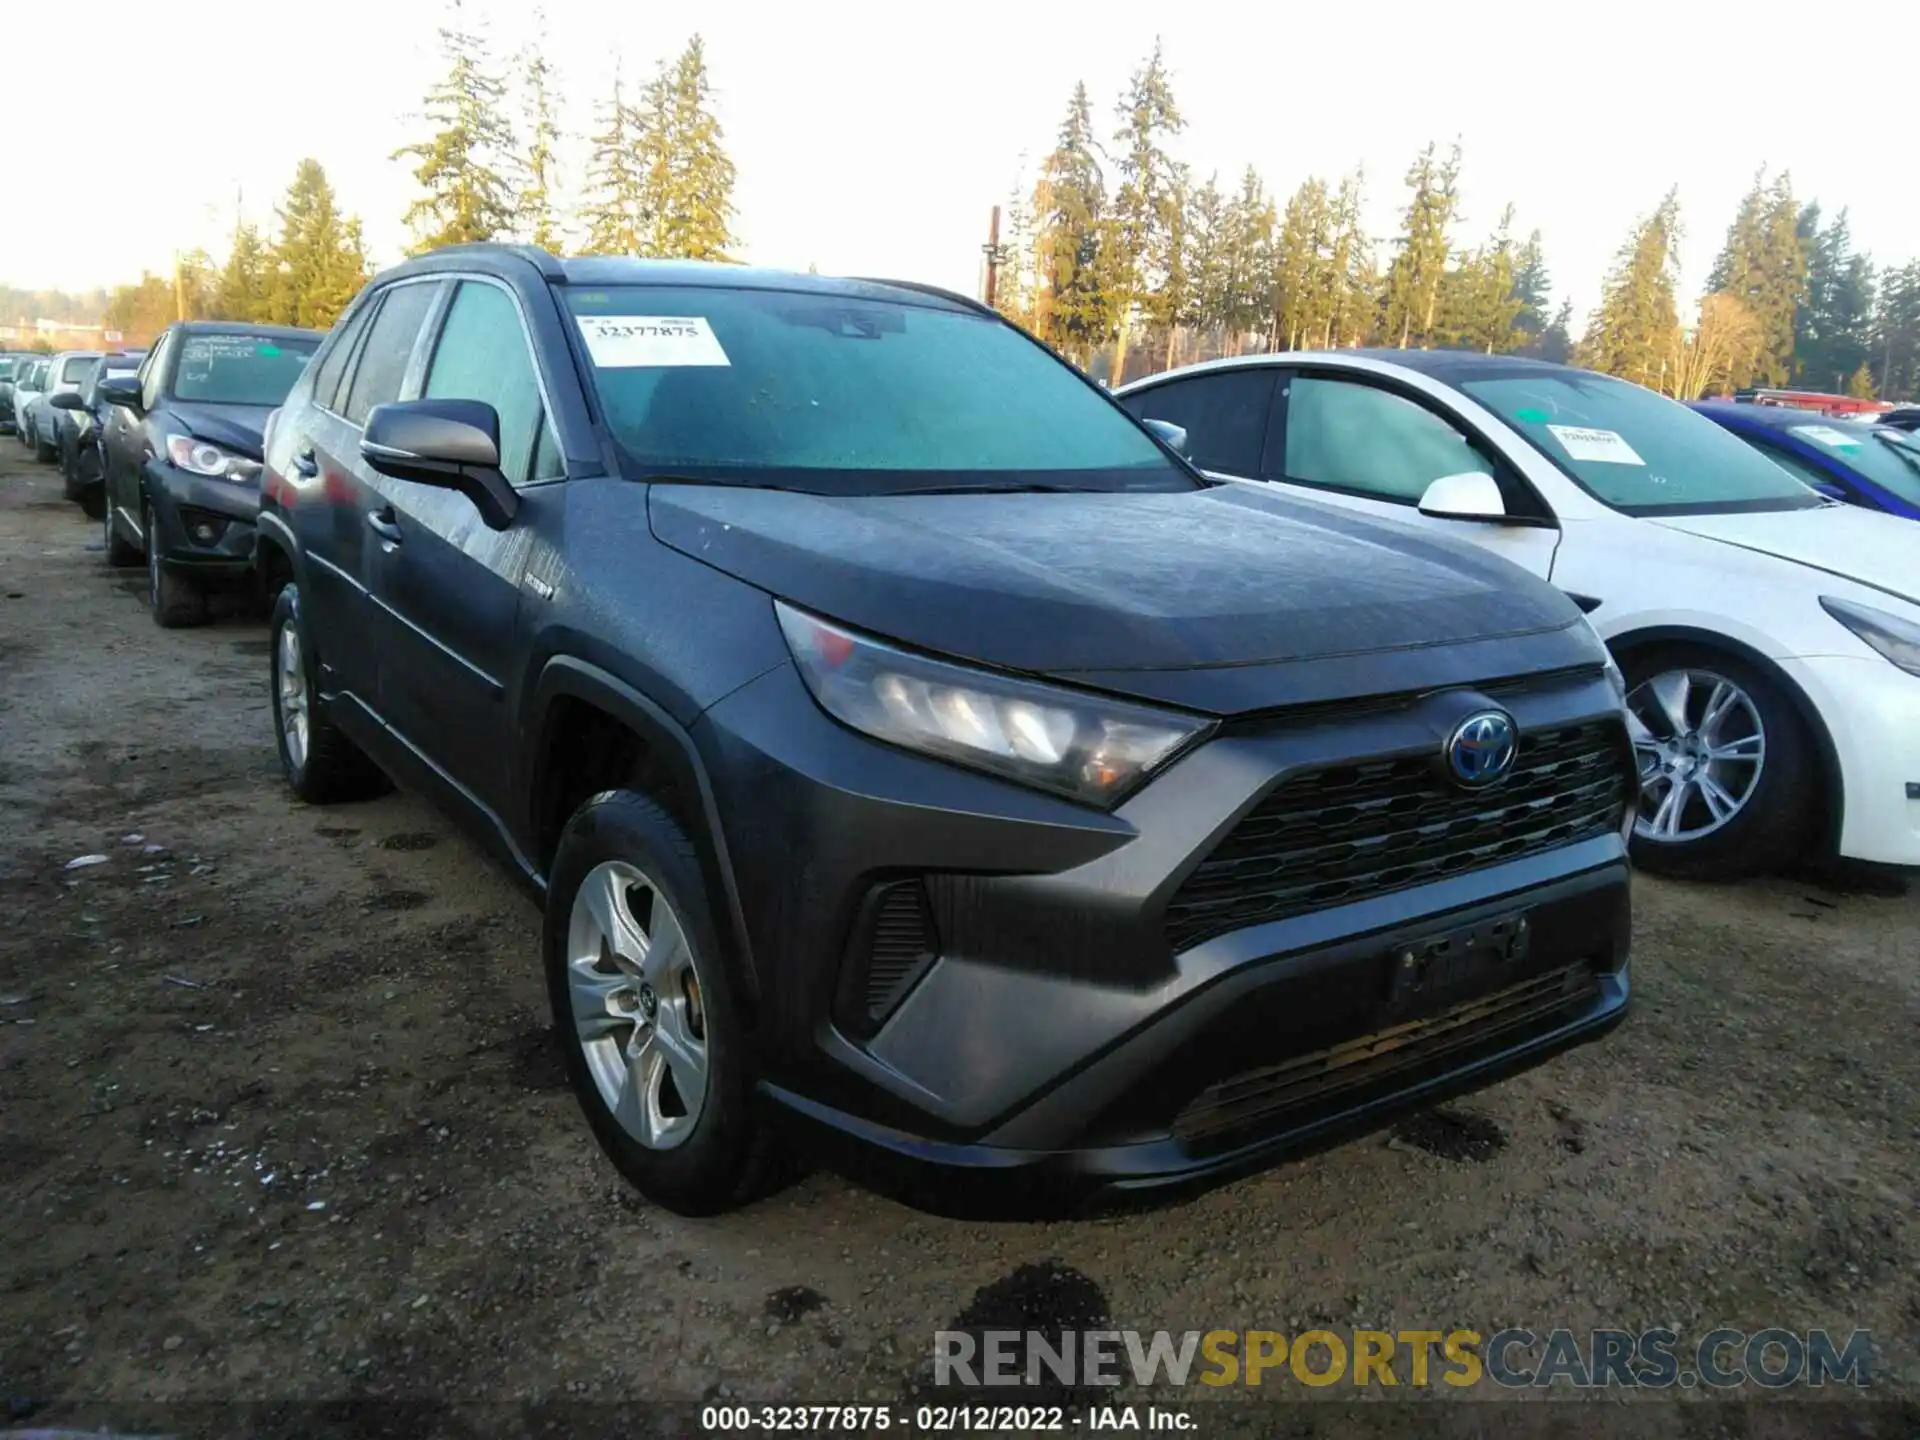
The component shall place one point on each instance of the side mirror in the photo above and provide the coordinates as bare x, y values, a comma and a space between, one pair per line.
1471, 496
452, 444
120, 390
66, 400
1173, 436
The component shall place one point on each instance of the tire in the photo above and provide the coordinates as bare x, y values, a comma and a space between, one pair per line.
1768, 825
320, 764
119, 553
173, 600
717, 1152
70, 469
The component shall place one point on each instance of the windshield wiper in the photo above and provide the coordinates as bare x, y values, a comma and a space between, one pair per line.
1011, 487
1901, 445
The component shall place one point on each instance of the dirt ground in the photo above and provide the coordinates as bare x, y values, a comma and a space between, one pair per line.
281, 1121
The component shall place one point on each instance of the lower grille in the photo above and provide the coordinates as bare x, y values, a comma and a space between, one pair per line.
1349, 832
893, 941
1264, 1097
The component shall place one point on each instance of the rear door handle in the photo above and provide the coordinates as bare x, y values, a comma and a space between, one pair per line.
381, 522
304, 465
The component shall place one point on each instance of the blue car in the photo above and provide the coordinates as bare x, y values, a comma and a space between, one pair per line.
1876, 466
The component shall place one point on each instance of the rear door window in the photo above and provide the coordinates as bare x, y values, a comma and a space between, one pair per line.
1225, 415
383, 359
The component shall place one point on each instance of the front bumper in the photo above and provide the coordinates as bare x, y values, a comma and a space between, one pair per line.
202, 525
1051, 1039
1872, 713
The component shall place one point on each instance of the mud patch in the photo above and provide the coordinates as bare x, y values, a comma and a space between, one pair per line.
790, 1302
345, 836
391, 900
410, 841
1047, 1299
1452, 1135
533, 1058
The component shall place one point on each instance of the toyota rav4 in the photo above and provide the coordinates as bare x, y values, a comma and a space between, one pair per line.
913, 752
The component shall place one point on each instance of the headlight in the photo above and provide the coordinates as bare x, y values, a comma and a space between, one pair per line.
1085, 747
1897, 639
202, 457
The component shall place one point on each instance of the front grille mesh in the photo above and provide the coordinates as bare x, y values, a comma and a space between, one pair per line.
1328, 837
1263, 1096
901, 942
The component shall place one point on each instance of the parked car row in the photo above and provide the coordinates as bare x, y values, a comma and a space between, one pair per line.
1016, 790
163, 448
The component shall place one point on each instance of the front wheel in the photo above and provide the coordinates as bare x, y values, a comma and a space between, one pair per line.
1725, 765
643, 999
173, 599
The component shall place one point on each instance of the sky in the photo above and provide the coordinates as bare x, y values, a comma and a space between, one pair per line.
873, 139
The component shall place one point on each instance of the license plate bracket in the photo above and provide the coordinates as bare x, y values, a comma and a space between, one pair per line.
1437, 969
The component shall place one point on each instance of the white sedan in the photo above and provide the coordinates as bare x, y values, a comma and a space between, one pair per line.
1770, 637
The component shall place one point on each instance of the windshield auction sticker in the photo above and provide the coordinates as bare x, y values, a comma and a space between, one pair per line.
1604, 446
1825, 435
627, 342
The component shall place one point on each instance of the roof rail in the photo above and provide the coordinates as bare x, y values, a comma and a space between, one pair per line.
547, 263
925, 289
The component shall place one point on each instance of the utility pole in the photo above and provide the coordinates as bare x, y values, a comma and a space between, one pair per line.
996, 255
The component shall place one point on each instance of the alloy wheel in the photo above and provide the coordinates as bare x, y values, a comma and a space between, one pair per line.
636, 1002
290, 682
1701, 747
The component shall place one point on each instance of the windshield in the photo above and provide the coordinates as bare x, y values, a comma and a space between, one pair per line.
837, 394
6, 368
240, 369
1889, 458
1639, 452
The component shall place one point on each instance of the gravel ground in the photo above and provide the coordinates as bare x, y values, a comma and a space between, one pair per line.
283, 1123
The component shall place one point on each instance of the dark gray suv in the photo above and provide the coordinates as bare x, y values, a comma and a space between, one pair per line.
913, 753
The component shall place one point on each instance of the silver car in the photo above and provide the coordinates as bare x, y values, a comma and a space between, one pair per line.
65, 375
28, 381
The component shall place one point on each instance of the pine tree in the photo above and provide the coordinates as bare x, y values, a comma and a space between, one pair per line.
1350, 264
1069, 207
615, 209
1860, 384
686, 177
1302, 299
319, 260
1013, 281
467, 197
1635, 329
1482, 305
1833, 329
1207, 245
1764, 265
241, 293
1532, 286
1418, 272
1173, 296
1249, 261
1896, 334
1144, 200
537, 167
1555, 344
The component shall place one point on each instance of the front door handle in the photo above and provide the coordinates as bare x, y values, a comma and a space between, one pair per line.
382, 523
304, 465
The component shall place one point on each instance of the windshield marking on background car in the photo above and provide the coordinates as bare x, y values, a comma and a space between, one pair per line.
1682, 462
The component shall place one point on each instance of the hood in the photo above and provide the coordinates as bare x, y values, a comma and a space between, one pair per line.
1056, 583
236, 427
1882, 551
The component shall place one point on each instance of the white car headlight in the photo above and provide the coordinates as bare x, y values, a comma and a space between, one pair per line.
202, 457
1086, 747
1897, 639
